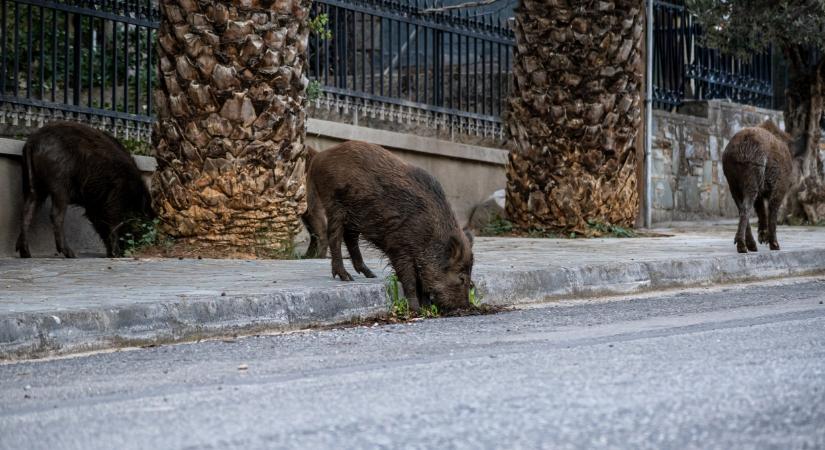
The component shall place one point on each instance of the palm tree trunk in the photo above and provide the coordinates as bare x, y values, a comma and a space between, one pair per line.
574, 114
230, 108
805, 100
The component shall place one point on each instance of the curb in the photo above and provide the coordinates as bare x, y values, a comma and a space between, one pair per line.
33, 335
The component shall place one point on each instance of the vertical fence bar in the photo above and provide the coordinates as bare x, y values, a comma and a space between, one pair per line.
372, 54
66, 83
16, 56
475, 74
150, 58
42, 60
126, 67
354, 47
381, 55
137, 69
450, 64
54, 54
409, 48
417, 53
427, 54
114, 66
76, 68
29, 44
326, 54
342, 55
363, 53
499, 75
397, 58
392, 60
91, 60
460, 74
483, 77
102, 102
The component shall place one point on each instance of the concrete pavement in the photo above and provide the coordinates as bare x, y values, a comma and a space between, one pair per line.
57, 306
710, 368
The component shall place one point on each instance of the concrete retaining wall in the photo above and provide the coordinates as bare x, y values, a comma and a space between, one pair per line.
468, 173
688, 182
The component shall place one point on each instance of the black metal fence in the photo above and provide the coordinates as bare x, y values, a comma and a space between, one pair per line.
684, 69
400, 62
87, 60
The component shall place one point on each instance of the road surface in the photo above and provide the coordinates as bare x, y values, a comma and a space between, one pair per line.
734, 367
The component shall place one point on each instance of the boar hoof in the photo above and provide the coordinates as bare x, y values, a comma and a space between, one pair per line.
741, 247
763, 236
774, 245
342, 274
69, 253
751, 246
24, 251
366, 272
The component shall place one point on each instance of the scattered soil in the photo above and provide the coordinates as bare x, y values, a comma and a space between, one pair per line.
480, 310
183, 249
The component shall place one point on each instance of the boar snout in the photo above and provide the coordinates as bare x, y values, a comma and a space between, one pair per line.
451, 287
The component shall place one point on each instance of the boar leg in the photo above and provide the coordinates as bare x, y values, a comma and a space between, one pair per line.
106, 235
30, 207
773, 212
744, 212
405, 271
763, 220
335, 232
58, 214
749, 241
351, 240
315, 227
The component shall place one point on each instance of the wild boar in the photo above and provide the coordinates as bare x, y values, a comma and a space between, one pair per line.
314, 219
758, 164
368, 192
79, 165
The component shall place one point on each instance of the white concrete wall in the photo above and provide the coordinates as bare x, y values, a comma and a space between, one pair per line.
468, 174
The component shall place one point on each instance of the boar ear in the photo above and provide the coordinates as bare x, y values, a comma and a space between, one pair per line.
468, 233
456, 250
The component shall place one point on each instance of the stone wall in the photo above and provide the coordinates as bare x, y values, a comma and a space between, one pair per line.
688, 181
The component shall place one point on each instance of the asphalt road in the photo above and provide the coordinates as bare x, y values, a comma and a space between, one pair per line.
738, 367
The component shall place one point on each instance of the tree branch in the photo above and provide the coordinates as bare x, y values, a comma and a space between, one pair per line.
459, 6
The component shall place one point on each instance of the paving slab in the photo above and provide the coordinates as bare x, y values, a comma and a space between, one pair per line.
54, 306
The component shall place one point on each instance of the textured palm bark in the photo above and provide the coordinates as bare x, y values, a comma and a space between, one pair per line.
230, 107
805, 100
574, 114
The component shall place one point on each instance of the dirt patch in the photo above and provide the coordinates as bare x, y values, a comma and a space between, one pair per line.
183, 249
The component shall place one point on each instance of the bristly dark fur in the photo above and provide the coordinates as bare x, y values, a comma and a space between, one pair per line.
758, 166
77, 164
364, 190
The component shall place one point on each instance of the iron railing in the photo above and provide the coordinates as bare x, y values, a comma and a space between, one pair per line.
93, 60
395, 61
85, 60
683, 69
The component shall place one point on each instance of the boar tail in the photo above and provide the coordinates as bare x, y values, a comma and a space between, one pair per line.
28, 171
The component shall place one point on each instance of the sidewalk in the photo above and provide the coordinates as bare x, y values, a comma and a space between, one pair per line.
58, 306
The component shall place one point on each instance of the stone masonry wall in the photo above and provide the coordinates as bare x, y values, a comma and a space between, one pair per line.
688, 181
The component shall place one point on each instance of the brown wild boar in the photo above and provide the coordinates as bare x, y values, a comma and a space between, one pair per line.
367, 191
77, 164
757, 163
